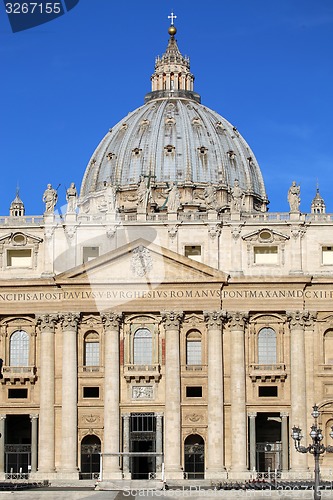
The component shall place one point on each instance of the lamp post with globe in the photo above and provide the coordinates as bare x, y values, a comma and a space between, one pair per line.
316, 448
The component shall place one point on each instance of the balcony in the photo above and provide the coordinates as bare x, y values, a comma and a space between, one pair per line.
268, 373
140, 373
193, 369
91, 371
18, 374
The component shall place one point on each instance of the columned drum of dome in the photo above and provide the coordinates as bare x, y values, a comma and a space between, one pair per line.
173, 139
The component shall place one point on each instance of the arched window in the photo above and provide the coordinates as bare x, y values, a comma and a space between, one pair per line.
328, 347
143, 347
266, 346
193, 348
19, 349
91, 349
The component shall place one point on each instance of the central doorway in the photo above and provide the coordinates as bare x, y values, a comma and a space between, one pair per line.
268, 442
142, 445
17, 445
90, 457
194, 457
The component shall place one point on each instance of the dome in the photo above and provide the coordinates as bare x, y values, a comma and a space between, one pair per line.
174, 139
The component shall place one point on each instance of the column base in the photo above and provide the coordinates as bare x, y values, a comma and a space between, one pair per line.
67, 475
41, 475
170, 474
112, 475
240, 475
216, 474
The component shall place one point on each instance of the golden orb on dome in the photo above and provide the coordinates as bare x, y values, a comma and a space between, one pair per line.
172, 30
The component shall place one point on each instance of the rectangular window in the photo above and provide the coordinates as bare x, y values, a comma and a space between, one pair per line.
92, 354
193, 252
194, 391
17, 393
266, 255
90, 253
270, 391
91, 392
193, 352
19, 258
327, 256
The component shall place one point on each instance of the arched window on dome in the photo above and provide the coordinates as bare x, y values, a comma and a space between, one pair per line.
193, 348
328, 347
266, 346
91, 349
143, 347
19, 349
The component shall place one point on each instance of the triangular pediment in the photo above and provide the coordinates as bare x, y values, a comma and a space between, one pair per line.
19, 238
265, 235
142, 262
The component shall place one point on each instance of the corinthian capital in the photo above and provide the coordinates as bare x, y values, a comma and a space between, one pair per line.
47, 322
238, 320
69, 321
111, 320
297, 319
214, 319
172, 319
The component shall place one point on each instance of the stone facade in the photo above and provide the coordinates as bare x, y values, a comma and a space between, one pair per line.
175, 344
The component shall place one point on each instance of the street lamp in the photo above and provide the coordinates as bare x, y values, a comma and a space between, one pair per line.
316, 448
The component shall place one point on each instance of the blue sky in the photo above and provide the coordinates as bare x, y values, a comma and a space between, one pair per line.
266, 66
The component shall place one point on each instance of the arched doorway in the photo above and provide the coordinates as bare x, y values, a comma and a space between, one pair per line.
90, 457
194, 457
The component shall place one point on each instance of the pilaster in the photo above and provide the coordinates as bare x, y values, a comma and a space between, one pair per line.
172, 321
252, 440
2, 446
285, 441
46, 448
297, 321
69, 323
111, 468
159, 444
238, 321
34, 443
215, 432
126, 445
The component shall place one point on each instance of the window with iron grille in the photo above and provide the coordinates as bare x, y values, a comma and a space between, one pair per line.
19, 349
143, 347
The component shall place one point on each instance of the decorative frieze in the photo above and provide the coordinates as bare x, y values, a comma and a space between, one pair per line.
143, 392
141, 261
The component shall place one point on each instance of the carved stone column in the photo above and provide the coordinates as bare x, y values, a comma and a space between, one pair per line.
297, 320
34, 444
285, 441
46, 323
310, 363
111, 469
2, 445
238, 394
126, 444
252, 440
69, 323
215, 430
172, 421
159, 444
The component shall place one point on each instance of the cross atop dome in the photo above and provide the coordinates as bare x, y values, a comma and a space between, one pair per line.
172, 17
